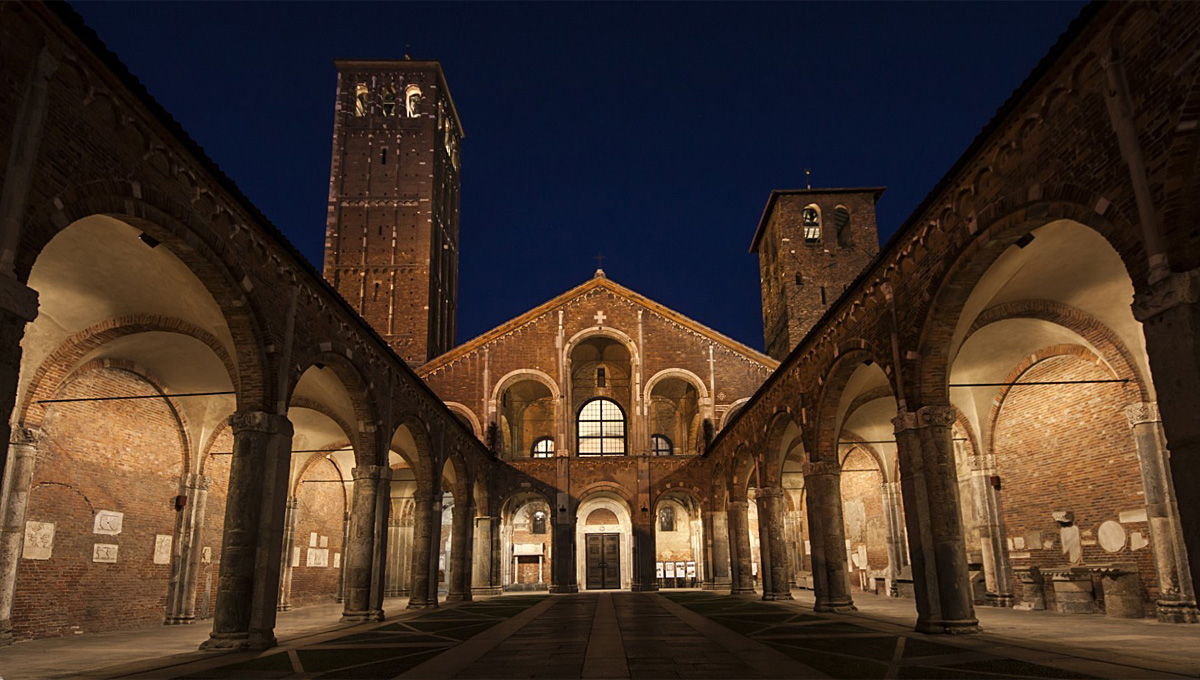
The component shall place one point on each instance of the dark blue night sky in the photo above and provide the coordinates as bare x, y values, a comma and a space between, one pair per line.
652, 133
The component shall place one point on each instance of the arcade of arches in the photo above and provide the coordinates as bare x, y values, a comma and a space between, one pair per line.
999, 411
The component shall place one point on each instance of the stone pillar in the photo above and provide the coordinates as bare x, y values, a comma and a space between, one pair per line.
341, 588
185, 563
359, 553
435, 548
249, 579
827, 536
289, 543
422, 546
929, 484
458, 574
897, 555
485, 577
716, 528
1170, 316
14, 501
18, 306
741, 577
379, 573
997, 570
776, 564
397, 547
645, 550
562, 568
1176, 599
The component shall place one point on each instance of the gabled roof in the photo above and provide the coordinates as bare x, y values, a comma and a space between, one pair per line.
762, 221
598, 281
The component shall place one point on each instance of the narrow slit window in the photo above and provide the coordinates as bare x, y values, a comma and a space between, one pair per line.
841, 221
383, 156
601, 377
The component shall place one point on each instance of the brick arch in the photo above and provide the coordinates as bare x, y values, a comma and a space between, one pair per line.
54, 369
774, 452
1036, 358
352, 377
832, 388
314, 405
210, 256
1086, 326
881, 392
146, 376
860, 444
612, 488
1001, 224
308, 464
462, 486
425, 460
744, 466
206, 450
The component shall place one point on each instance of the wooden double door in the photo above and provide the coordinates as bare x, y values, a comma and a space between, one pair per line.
603, 560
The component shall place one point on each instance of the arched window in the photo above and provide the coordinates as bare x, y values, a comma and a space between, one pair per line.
660, 445
666, 519
389, 102
810, 220
543, 448
841, 220
601, 428
360, 100
539, 523
412, 101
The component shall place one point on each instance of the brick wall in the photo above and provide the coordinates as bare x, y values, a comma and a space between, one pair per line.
320, 510
216, 468
123, 456
862, 510
1068, 447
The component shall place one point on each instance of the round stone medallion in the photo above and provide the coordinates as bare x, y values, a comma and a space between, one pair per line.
1111, 536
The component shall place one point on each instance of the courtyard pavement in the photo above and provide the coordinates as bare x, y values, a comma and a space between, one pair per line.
672, 634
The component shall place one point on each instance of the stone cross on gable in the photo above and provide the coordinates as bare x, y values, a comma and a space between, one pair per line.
600, 317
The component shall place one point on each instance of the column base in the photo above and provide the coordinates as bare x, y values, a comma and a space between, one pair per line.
224, 642
1170, 612
715, 585
171, 621
942, 627
356, 617
836, 606
777, 596
6, 633
487, 591
283, 607
742, 591
554, 589
458, 597
376, 616
644, 587
420, 604
1000, 600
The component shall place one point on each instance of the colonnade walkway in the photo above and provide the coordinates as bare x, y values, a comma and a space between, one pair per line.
673, 634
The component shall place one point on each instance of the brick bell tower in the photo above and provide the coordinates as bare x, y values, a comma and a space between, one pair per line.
391, 237
811, 244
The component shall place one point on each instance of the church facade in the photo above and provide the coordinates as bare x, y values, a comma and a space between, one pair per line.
994, 408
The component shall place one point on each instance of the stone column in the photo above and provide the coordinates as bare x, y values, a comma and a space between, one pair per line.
742, 578
776, 563
895, 533
249, 579
435, 548
1170, 316
716, 525
289, 543
997, 570
458, 576
14, 501
18, 306
929, 484
359, 553
645, 574
827, 536
484, 575
383, 513
396, 550
185, 565
562, 567
422, 547
1176, 599
341, 588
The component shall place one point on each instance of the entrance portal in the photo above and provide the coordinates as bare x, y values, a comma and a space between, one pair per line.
603, 554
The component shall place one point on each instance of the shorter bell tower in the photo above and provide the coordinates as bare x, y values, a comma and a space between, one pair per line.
811, 244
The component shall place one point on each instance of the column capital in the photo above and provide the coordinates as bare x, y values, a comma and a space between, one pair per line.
739, 502
1176, 289
24, 436
981, 462
259, 421
936, 415
1141, 413
375, 472
818, 468
768, 492
904, 420
198, 482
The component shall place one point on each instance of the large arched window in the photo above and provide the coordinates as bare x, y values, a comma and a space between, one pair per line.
601, 428
660, 445
543, 448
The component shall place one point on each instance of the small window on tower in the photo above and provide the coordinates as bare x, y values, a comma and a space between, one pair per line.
810, 220
383, 156
360, 100
412, 101
841, 220
601, 377
389, 102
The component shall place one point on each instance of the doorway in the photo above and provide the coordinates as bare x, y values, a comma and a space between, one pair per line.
603, 556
